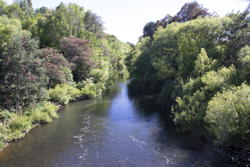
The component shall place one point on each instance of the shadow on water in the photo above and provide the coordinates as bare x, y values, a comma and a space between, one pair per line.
167, 134
109, 132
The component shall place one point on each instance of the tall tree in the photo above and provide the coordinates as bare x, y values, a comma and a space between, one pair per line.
237, 35
93, 23
21, 73
149, 29
190, 11
78, 53
26, 5
57, 67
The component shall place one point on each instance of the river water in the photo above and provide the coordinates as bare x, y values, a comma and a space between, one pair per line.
114, 131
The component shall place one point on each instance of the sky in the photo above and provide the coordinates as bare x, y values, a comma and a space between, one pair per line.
126, 18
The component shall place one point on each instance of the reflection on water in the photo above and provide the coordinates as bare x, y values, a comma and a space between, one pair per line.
114, 131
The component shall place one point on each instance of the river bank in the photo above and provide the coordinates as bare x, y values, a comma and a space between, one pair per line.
14, 126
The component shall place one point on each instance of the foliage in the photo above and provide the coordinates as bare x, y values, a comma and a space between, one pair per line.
53, 49
149, 29
191, 107
20, 68
89, 89
4, 135
187, 63
8, 28
85, 52
43, 112
12, 11
237, 34
16, 125
203, 63
171, 56
5, 116
228, 115
216, 79
189, 11
20, 123
64, 21
77, 52
244, 61
93, 23
57, 67
63, 94
26, 6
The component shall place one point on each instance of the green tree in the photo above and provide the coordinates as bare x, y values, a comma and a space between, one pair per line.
22, 73
149, 29
26, 6
57, 67
93, 23
244, 61
203, 63
228, 115
190, 11
77, 52
53, 27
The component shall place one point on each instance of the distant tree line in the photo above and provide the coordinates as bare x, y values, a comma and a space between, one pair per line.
189, 11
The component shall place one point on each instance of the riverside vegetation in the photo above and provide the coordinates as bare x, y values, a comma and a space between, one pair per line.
49, 57
194, 65
197, 65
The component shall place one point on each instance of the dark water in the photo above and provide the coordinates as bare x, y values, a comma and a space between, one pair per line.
111, 132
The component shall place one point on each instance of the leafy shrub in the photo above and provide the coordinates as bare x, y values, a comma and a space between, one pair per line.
21, 123
63, 93
191, 107
40, 117
192, 111
4, 133
88, 88
99, 75
216, 79
244, 59
228, 114
5, 116
203, 63
44, 112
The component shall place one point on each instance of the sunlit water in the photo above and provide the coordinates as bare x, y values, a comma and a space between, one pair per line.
111, 132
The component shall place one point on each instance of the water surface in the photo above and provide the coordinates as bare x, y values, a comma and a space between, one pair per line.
114, 131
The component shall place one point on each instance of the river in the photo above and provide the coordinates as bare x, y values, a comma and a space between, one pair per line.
114, 131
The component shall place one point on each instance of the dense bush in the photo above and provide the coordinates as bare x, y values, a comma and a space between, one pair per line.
20, 123
4, 135
64, 93
77, 52
53, 49
186, 63
228, 115
57, 67
244, 61
5, 116
20, 68
15, 125
43, 112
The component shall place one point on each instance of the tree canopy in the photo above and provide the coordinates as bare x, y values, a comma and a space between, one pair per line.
196, 66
